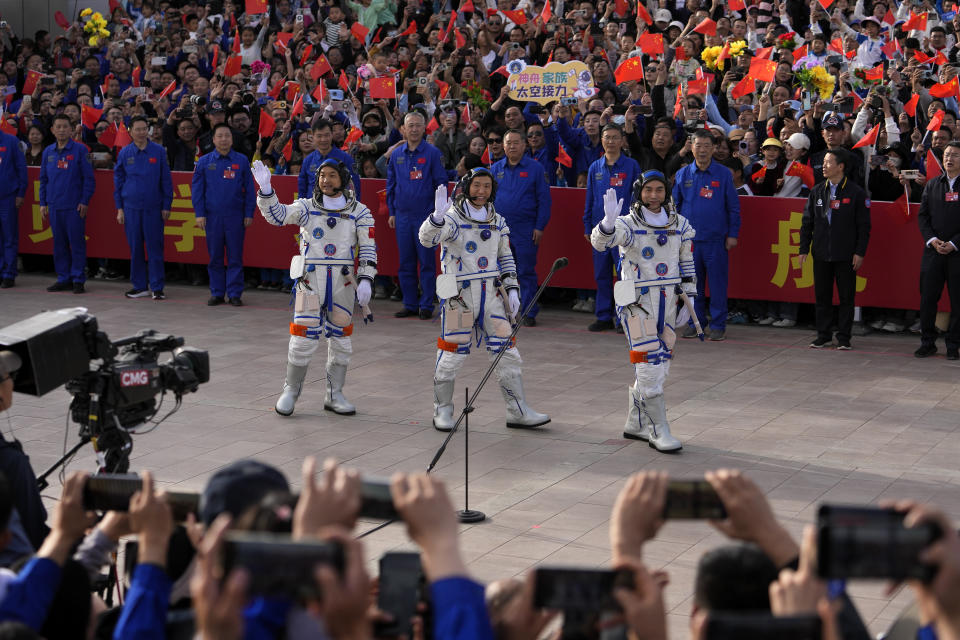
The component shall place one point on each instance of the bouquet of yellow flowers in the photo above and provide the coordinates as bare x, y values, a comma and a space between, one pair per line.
95, 26
813, 77
710, 55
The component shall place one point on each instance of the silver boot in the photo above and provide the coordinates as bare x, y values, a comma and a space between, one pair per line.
334, 400
443, 405
292, 386
638, 422
660, 437
519, 415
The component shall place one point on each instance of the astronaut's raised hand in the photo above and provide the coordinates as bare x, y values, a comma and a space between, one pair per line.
440, 204
363, 292
611, 210
514, 302
261, 173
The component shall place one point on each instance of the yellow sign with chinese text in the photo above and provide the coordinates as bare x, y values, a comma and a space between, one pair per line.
550, 83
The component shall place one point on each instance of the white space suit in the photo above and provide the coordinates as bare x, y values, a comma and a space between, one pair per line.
476, 261
655, 259
333, 233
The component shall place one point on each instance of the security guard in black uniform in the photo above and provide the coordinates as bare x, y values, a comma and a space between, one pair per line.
939, 220
836, 219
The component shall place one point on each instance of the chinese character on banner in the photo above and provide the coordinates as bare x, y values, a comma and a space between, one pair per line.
787, 250
42, 231
182, 222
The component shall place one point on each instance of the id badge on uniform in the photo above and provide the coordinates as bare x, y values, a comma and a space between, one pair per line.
835, 204
616, 180
63, 164
416, 174
951, 196
706, 192
229, 174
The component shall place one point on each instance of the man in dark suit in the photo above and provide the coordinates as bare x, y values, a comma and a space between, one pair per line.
939, 220
836, 219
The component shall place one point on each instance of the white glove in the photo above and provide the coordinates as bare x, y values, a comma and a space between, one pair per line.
440, 204
611, 209
363, 292
262, 175
683, 316
514, 302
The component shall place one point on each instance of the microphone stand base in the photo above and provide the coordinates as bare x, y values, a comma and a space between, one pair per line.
471, 516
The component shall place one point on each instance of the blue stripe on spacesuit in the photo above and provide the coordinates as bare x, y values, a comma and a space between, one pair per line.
483, 298
328, 293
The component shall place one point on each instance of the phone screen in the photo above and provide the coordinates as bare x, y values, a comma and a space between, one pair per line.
693, 500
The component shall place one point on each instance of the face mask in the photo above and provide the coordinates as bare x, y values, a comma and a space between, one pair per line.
372, 131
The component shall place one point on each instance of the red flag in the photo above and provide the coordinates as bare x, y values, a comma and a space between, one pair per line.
889, 18
917, 21
235, 46
343, 82
30, 83
465, 115
933, 166
678, 105
891, 48
643, 13
297, 106
874, 74
123, 137
736, 5
921, 57
460, 39
764, 53
870, 139
359, 31
432, 125
940, 59
256, 6
385, 87
443, 86
946, 90
293, 88
680, 53
857, 100
267, 125
802, 171
282, 43
233, 20
759, 175
216, 56
546, 14
550, 57
135, 76
799, 54
707, 27
108, 137
275, 92
168, 89
410, 30
825, 4
449, 29
621, 7
630, 69
467, 7
517, 16
911, 106
502, 71
903, 206
233, 65
376, 36
90, 116
762, 70
651, 43
698, 86
563, 157
746, 86
61, 20
105, 86
287, 150
318, 92
355, 134
305, 56
836, 45
114, 5
485, 158
320, 67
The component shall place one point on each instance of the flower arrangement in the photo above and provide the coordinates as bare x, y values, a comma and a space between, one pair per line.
95, 26
813, 77
710, 55
787, 41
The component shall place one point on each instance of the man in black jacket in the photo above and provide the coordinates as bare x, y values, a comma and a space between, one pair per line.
939, 220
836, 219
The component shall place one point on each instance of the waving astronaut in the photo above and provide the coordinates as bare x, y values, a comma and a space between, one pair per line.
331, 224
656, 275
479, 275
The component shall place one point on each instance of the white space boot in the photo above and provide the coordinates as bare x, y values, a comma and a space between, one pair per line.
660, 436
292, 386
334, 400
519, 415
638, 422
443, 405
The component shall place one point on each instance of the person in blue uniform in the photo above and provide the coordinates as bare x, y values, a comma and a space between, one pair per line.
323, 149
523, 199
544, 145
13, 187
224, 198
66, 186
704, 194
143, 193
612, 171
414, 172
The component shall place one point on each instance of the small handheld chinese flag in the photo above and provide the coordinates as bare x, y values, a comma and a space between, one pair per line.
502, 71
874, 74
90, 116
135, 76
410, 30
678, 105
320, 67
123, 137
103, 88
216, 57
283, 41
485, 158
798, 54
267, 125
305, 56
293, 88
736, 5
940, 59
764, 53
621, 7
343, 82
318, 92
563, 157
725, 55
355, 134
651, 43
168, 89
385, 87
467, 6
288, 149
945, 90
465, 115
256, 6
297, 106
707, 27
746, 86
517, 16
61, 20
917, 22
235, 47
825, 4
870, 139
903, 206
433, 125
546, 14
921, 57
443, 86
643, 14
630, 69
233, 65
933, 166
910, 107
802, 171
891, 48
889, 18
698, 86
108, 137
759, 175
275, 92
30, 83
460, 38
359, 31
762, 70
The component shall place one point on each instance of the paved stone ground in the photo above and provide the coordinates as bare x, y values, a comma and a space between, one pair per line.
809, 426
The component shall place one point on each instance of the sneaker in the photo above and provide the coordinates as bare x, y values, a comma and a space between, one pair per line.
426, 314
737, 317
892, 327
767, 321
877, 324
915, 327
159, 295
396, 295
112, 275
590, 305
600, 325
137, 293
101, 274
843, 345
925, 351
78, 287
785, 322
718, 335
578, 305
59, 286
689, 332
405, 313
820, 343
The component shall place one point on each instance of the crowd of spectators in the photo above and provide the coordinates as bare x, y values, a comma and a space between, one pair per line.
292, 78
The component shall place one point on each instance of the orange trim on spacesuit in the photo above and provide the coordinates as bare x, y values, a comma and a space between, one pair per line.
638, 357
298, 330
443, 345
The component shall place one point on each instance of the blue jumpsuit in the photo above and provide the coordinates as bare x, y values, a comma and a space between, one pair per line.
66, 181
412, 180
600, 177
523, 199
223, 192
13, 185
143, 188
710, 202
308, 171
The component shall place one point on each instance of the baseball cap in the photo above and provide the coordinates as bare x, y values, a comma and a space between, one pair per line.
662, 15
675, 23
799, 141
216, 107
871, 19
9, 362
771, 142
237, 487
831, 119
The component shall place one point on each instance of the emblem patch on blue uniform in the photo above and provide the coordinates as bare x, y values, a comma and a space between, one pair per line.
647, 252
330, 249
471, 246
482, 262
661, 269
318, 233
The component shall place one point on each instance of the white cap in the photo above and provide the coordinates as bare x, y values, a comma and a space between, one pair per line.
799, 141
677, 24
662, 15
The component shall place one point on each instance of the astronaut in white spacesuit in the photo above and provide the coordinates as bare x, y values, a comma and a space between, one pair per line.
478, 274
656, 275
332, 225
